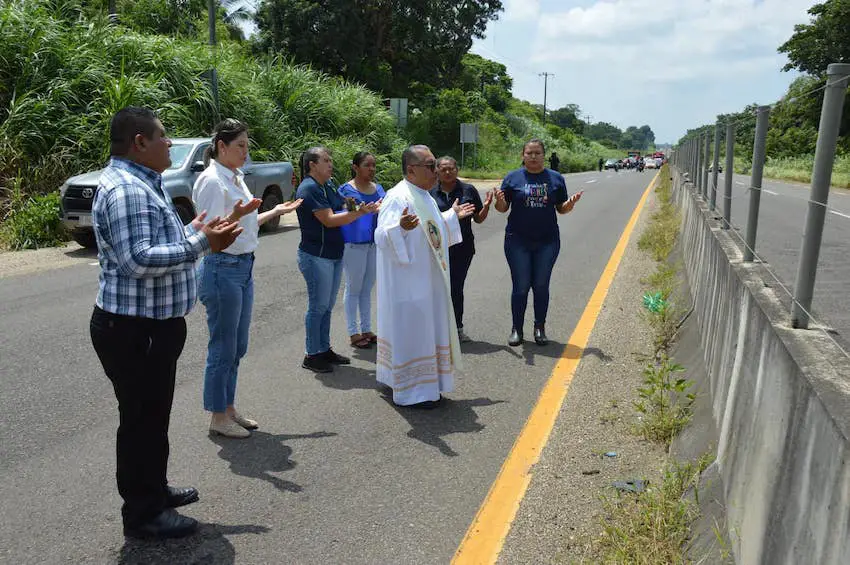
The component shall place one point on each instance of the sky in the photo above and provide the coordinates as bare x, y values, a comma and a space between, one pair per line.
671, 64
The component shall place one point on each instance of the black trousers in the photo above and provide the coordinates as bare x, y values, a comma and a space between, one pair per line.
139, 355
460, 258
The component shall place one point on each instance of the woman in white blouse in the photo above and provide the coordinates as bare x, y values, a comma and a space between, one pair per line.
226, 286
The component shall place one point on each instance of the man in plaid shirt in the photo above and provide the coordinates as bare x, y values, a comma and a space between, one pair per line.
147, 285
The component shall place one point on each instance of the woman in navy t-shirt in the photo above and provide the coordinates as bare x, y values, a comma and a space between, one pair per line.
320, 217
532, 239
358, 261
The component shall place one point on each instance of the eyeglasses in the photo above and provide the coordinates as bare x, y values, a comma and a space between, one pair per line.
431, 165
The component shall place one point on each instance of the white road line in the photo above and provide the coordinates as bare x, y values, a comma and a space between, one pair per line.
93, 264
590, 181
840, 214
739, 182
770, 192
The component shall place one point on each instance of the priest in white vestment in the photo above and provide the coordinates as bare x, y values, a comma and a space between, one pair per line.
418, 347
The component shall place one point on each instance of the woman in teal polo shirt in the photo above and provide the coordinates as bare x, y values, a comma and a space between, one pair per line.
320, 217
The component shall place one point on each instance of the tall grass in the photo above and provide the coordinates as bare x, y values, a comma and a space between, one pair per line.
501, 143
62, 77
799, 169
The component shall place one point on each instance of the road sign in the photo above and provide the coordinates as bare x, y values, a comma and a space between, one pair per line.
469, 133
398, 108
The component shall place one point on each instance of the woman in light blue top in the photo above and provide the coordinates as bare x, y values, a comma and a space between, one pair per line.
358, 260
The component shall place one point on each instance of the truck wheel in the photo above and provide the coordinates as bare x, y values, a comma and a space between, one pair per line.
85, 238
271, 198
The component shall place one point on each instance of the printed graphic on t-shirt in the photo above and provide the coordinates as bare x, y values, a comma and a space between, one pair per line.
536, 195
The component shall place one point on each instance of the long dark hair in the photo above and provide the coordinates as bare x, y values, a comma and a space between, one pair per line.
358, 159
312, 155
227, 130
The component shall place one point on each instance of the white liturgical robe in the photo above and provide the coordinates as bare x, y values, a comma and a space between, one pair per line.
418, 349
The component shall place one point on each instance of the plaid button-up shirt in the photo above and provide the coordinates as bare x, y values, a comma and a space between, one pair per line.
147, 257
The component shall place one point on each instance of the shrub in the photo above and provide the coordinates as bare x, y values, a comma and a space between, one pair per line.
34, 223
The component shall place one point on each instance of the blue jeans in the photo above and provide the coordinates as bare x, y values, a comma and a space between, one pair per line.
323, 277
360, 273
531, 264
226, 288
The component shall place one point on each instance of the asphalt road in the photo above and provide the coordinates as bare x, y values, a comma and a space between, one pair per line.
782, 220
336, 474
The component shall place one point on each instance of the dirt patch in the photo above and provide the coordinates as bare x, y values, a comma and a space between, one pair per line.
16, 263
593, 444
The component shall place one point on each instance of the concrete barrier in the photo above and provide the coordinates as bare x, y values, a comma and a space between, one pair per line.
780, 399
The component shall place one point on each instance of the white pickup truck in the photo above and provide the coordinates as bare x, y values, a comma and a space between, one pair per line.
273, 182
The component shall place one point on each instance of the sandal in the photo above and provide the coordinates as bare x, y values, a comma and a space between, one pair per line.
360, 341
371, 337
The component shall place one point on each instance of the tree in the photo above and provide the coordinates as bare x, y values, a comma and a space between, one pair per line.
490, 77
439, 125
605, 133
384, 44
825, 40
568, 118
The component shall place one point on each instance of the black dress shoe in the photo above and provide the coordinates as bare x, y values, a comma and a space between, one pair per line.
515, 338
168, 524
540, 336
335, 358
317, 364
176, 497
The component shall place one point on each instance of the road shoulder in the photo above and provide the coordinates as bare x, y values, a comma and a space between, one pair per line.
561, 514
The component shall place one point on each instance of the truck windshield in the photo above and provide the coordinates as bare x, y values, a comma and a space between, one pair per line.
179, 153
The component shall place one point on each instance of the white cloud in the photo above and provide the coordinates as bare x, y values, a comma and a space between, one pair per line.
669, 63
522, 10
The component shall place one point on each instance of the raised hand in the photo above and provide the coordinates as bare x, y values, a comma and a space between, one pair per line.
463, 210
570, 204
408, 221
240, 210
370, 208
500, 196
288, 207
198, 222
489, 198
221, 234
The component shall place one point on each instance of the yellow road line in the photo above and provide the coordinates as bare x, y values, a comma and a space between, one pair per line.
486, 535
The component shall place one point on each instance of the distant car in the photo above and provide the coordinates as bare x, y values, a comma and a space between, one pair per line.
273, 182
649, 163
612, 164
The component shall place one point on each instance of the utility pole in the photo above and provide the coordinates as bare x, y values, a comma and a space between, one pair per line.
545, 83
213, 5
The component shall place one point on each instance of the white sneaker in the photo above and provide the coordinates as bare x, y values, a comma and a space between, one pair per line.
462, 337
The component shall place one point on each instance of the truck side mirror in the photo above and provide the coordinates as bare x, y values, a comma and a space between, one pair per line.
198, 167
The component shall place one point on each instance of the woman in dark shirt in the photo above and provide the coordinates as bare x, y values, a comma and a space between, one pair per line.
532, 238
320, 254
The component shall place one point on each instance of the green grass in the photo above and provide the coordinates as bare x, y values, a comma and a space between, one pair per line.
799, 169
660, 236
653, 527
481, 174
33, 223
664, 403
62, 77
